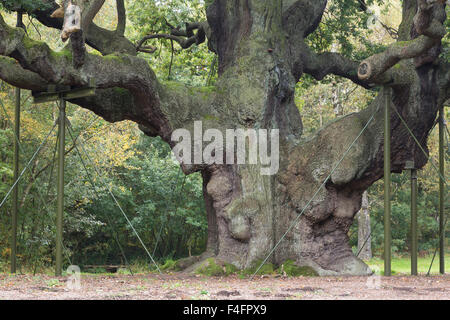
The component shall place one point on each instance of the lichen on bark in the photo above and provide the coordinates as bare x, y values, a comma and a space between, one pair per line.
262, 55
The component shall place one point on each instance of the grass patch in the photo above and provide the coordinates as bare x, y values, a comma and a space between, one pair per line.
402, 265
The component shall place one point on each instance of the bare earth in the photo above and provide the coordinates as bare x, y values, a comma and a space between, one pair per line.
182, 287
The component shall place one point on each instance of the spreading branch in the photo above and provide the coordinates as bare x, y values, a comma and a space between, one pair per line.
321, 65
428, 30
377, 69
42, 66
376, 65
185, 38
103, 40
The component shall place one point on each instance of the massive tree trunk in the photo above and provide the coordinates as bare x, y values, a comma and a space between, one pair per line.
262, 55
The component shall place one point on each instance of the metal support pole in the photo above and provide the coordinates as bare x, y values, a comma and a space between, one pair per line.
441, 193
414, 238
15, 192
60, 205
387, 183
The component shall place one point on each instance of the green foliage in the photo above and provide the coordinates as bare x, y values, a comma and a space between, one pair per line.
53, 283
193, 66
427, 208
24, 5
166, 208
344, 26
5, 153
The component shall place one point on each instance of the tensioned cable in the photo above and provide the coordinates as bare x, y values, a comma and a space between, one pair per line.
435, 252
56, 145
31, 172
365, 242
377, 223
114, 232
119, 206
418, 143
392, 197
52, 167
316, 193
50, 179
28, 164
434, 166
167, 207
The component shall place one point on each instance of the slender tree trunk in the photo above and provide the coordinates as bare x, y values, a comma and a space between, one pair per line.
364, 230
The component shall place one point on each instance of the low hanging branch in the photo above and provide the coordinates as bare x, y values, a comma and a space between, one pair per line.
185, 38
428, 30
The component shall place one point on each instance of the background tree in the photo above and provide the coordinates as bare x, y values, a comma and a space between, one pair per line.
263, 49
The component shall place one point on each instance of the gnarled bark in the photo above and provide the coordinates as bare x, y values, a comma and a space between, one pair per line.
262, 54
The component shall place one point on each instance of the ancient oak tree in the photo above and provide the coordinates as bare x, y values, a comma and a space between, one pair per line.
262, 54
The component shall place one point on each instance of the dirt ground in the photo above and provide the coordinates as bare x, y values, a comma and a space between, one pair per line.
182, 287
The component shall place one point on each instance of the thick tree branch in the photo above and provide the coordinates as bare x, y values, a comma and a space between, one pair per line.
301, 18
103, 40
12, 73
126, 87
185, 38
323, 64
428, 30
121, 17
90, 12
376, 65
113, 71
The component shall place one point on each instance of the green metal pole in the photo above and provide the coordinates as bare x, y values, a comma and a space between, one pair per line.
414, 238
387, 183
60, 205
441, 193
15, 192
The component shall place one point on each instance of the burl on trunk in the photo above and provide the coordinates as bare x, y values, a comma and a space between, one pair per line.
262, 54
